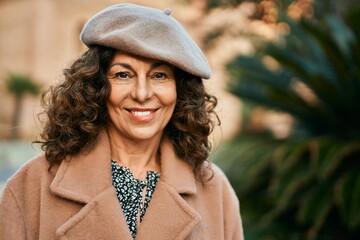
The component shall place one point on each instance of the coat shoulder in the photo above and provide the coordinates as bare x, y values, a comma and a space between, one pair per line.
218, 176
219, 196
218, 172
219, 183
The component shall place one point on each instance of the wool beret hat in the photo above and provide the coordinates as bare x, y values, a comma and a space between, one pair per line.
146, 32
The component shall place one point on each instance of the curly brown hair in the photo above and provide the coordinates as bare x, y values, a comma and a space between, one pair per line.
75, 111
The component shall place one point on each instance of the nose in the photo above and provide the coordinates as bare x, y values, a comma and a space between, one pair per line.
142, 90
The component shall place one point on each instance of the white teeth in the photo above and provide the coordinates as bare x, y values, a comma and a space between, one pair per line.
141, 114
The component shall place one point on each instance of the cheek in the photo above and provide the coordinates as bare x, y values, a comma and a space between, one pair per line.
171, 99
111, 101
169, 96
115, 97
111, 98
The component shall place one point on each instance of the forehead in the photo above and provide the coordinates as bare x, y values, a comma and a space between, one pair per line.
124, 57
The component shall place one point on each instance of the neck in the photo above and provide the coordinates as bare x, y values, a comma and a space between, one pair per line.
139, 156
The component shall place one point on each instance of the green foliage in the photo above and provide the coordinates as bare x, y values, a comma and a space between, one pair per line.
321, 55
308, 185
19, 85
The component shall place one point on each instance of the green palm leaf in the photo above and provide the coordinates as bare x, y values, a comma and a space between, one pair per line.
315, 207
305, 182
348, 198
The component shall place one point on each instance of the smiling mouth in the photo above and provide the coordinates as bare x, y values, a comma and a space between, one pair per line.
142, 114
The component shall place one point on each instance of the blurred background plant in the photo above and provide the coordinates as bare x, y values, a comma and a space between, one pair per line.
304, 184
18, 86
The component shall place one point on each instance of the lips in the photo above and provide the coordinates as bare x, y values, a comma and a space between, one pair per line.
142, 114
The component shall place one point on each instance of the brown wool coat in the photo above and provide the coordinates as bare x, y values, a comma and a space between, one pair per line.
76, 200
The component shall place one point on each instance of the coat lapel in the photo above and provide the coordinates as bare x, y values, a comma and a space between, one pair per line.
101, 218
86, 179
85, 175
169, 216
174, 171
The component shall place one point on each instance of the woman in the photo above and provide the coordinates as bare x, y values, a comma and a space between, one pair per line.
126, 142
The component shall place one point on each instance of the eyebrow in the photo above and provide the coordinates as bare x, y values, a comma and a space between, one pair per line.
125, 65
153, 65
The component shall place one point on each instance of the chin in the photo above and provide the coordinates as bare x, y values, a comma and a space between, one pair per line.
143, 134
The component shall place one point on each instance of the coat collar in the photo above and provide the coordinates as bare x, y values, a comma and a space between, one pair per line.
175, 171
86, 178
85, 175
82, 177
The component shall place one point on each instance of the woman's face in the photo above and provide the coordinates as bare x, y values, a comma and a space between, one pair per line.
142, 97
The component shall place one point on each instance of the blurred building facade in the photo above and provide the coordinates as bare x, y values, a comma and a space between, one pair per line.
41, 37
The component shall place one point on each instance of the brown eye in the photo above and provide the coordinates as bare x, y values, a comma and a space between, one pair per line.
122, 75
160, 75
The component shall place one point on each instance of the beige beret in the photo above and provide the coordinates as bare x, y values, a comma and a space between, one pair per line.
146, 32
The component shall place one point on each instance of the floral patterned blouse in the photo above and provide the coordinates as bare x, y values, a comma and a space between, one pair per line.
130, 193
